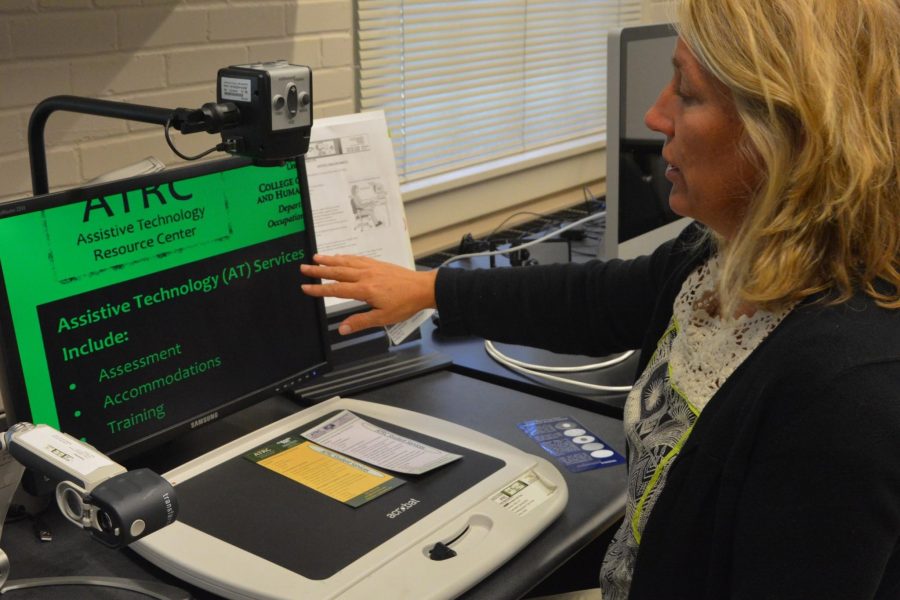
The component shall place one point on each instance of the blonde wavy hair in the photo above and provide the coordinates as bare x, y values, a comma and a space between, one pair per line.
817, 87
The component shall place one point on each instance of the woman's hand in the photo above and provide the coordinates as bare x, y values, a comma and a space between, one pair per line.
395, 293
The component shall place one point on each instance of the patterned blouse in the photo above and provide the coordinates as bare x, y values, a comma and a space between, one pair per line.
693, 358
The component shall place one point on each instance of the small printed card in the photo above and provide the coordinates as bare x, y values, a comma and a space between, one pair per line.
338, 477
571, 444
348, 434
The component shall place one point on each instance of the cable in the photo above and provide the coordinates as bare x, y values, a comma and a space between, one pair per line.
184, 156
512, 364
526, 244
529, 369
519, 214
585, 254
577, 369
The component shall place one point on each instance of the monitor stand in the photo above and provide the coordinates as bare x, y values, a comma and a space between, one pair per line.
365, 360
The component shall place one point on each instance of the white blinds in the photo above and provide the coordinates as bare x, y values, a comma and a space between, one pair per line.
468, 81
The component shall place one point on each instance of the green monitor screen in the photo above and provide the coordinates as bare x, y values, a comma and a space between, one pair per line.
135, 310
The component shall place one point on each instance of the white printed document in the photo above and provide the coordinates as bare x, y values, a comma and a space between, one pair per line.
354, 190
350, 435
355, 195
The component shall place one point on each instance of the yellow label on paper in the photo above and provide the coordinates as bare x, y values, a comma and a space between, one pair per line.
337, 476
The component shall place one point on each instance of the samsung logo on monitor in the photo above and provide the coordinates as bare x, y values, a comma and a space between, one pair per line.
204, 419
11, 211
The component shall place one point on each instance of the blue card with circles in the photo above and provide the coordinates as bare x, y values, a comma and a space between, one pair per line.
571, 444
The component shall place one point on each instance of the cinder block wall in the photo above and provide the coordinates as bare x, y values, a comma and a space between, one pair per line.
155, 52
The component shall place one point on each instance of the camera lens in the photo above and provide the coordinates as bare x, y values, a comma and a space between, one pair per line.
105, 521
73, 503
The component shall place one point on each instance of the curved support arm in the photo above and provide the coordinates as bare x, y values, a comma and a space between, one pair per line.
89, 106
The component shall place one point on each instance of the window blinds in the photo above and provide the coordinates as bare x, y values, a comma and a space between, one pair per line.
468, 81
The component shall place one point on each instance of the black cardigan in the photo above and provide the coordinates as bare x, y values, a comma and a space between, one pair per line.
789, 485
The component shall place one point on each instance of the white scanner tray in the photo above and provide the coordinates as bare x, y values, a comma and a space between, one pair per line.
496, 517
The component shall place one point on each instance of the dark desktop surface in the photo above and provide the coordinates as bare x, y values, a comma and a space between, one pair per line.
596, 497
469, 356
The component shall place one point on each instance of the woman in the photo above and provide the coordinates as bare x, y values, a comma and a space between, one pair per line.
764, 427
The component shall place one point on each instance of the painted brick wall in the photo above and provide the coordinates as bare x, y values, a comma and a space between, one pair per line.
154, 52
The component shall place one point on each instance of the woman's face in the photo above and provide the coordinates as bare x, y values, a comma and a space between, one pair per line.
711, 178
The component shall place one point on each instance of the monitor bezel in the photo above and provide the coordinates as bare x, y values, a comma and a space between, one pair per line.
617, 80
12, 379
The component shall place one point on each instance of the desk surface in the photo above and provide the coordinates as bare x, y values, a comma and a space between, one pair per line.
470, 358
596, 498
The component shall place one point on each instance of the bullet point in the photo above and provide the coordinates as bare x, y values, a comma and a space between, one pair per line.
72, 387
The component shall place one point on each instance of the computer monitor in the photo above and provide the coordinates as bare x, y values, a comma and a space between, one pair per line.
135, 310
638, 217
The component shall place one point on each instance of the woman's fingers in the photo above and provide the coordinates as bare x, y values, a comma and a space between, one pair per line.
336, 273
343, 260
363, 320
338, 290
